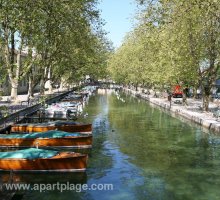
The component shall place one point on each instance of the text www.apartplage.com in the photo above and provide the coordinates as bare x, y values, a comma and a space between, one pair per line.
42, 187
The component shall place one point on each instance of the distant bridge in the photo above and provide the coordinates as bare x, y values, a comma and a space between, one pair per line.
108, 85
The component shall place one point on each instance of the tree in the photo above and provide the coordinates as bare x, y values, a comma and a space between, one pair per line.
61, 39
175, 41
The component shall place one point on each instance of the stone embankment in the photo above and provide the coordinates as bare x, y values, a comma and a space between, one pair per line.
192, 111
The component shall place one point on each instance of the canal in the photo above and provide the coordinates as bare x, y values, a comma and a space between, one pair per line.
143, 152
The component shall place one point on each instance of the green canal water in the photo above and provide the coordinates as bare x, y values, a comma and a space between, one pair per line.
143, 152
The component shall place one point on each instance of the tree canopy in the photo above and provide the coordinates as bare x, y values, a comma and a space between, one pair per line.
174, 42
64, 40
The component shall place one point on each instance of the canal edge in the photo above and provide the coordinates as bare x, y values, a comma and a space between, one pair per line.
195, 117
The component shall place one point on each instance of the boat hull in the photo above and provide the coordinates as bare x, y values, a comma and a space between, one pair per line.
63, 162
84, 128
75, 141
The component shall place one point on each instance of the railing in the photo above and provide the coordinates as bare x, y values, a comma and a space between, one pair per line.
5, 122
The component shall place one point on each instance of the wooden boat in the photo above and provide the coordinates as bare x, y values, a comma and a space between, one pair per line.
47, 139
33, 159
57, 125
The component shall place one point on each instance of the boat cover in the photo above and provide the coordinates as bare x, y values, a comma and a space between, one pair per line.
47, 134
31, 153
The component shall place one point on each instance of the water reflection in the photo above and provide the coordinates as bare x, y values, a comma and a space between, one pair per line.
179, 156
32, 178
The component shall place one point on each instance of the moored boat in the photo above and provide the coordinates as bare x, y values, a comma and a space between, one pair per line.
62, 108
67, 126
47, 139
34, 159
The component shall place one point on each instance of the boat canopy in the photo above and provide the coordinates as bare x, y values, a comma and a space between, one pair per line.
31, 153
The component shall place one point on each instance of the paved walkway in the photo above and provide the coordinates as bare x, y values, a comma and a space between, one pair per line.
192, 111
8, 107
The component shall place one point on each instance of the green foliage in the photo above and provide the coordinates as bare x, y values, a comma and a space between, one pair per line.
175, 41
4, 111
63, 37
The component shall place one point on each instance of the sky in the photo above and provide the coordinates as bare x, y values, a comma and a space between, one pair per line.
117, 15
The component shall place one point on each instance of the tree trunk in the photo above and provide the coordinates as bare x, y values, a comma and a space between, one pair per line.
14, 90
62, 84
194, 92
43, 72
50, 88
206, 94
43, 79
185, 98
30, 86
14, 82
42, 89
205, 103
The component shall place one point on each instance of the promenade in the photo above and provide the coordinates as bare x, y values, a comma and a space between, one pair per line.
8, 107
193, 111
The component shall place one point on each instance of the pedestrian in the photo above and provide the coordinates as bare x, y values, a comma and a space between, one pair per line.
187, 92
169, 97
198, 93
